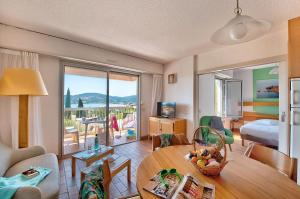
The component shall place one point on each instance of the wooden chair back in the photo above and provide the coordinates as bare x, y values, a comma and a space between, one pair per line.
110, 169
271, 157
106, 176
177, 139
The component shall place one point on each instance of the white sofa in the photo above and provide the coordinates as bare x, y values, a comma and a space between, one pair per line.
13, 162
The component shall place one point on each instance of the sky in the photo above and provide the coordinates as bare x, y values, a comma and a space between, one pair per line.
84, 84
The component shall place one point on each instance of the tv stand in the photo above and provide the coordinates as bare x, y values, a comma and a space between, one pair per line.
160, 125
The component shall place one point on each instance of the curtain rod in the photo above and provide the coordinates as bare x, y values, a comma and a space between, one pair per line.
74, 41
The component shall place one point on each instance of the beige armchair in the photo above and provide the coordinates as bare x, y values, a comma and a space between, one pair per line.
17, 161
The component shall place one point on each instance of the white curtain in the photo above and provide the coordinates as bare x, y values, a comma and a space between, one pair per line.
9, 106
157, 89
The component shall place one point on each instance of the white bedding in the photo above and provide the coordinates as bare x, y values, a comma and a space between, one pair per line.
265, 129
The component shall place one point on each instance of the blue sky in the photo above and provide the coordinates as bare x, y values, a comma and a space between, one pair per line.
83, 84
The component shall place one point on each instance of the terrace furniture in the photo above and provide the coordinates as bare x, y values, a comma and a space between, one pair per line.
129, 121
74, 132
113, 125
111, 167
88, 121
91, 156
14, 162
210, 138
241, 178
276, 159
177, 139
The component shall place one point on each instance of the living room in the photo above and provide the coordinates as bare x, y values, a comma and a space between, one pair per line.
140, 53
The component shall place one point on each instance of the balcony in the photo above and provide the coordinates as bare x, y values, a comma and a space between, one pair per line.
81, 125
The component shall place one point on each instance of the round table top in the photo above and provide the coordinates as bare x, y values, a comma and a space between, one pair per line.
242, 177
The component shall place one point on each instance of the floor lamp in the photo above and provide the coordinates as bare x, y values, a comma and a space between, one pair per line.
22, 82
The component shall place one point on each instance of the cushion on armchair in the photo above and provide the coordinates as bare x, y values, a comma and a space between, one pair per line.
211, 138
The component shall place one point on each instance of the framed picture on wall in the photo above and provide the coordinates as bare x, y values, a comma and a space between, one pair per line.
172, 78
267, 88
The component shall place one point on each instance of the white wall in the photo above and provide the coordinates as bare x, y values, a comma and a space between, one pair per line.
19, 39
50, 71
283, 108
268, 46
247, 93
146, 95
206, 85
181, 92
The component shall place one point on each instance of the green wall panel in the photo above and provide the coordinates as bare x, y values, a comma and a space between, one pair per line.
264, 74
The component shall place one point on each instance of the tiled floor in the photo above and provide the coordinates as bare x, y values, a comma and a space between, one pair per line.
136, 151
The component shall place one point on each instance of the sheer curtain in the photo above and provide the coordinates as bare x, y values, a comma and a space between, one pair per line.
157, 89
9, 106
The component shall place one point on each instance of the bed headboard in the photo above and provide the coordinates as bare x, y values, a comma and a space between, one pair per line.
250, 116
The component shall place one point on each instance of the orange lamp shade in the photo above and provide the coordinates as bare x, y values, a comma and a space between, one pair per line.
22, 81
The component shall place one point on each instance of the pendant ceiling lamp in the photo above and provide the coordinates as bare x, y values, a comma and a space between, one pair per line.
241, 28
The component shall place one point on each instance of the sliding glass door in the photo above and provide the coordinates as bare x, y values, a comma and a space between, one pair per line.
123, 101
85, 96
98, 103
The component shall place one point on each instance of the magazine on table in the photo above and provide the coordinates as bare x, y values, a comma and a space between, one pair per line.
188, 187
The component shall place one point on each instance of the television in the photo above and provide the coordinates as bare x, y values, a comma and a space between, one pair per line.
166, 109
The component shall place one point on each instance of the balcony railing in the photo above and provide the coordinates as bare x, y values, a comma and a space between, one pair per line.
73, 116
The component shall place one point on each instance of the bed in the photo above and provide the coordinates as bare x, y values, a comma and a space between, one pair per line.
264, 131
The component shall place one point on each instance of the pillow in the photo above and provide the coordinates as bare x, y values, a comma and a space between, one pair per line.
268, 122
216, 123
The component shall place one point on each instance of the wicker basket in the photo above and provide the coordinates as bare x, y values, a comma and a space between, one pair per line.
212, 170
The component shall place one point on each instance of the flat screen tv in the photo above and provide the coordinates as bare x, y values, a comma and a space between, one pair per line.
166, 109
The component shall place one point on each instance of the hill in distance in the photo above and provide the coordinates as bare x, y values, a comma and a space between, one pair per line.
96, 98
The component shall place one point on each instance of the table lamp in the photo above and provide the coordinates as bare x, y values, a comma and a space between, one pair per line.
22, 82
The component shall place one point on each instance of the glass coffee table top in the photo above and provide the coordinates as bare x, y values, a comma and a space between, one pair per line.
87, 154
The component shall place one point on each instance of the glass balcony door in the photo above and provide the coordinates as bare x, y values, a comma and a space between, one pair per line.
85, 109
98, 103
123, 108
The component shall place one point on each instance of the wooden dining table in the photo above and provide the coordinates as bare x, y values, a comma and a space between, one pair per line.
242, 177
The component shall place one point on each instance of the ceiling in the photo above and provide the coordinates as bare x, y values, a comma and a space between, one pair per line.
156, 30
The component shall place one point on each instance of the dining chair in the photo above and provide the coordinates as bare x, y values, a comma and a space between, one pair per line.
276, 159
110, 169
177, 139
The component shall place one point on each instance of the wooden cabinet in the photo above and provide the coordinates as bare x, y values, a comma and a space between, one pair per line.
294, 48
165, 125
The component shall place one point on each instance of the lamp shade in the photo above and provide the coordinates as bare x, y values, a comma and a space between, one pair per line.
22, 81
241, 28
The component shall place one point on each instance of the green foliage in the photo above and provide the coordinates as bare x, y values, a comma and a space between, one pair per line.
80, 113
69, 123
68, 99
68, 104
73, 123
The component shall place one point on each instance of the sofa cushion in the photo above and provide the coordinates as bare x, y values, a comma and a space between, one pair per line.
5, 158
49, 187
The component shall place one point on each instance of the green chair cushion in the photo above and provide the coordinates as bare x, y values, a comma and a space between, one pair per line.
212, 138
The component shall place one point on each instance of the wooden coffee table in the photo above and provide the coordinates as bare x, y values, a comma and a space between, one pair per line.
91, 156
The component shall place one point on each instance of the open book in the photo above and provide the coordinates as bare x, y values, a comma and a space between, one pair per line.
188, 188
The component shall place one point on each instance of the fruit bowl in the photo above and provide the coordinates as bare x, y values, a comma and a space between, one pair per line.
208, 159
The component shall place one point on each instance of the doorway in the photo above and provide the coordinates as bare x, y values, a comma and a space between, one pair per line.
263, 97
98, 102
